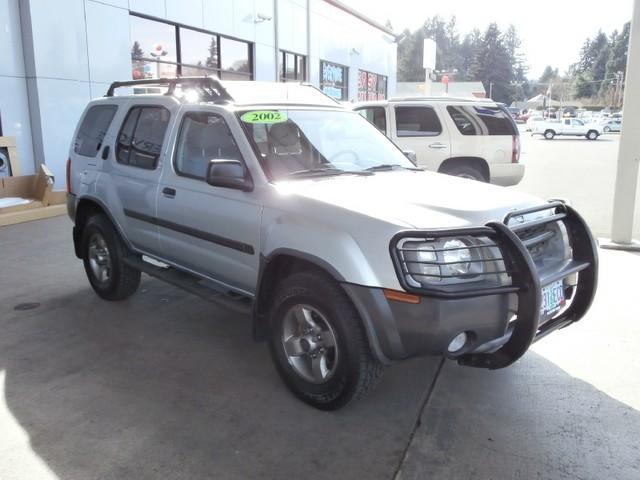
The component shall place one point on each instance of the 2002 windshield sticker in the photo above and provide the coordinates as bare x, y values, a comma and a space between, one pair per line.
264, 116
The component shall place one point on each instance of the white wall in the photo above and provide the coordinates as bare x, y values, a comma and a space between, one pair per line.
14, 106
56, 58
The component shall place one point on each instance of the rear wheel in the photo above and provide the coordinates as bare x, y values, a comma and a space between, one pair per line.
318, 343
549, 134
592, 135
466, 171
606, 129
103, 252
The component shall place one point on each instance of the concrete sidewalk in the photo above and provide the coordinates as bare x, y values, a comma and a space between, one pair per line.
164, 385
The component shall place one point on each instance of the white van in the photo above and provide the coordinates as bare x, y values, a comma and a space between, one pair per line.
471, 138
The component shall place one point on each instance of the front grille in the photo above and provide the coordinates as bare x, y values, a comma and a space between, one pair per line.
545, 237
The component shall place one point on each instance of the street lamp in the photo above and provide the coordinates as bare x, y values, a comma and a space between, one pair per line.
157, 53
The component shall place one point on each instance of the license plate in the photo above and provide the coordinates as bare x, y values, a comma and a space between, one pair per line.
552, 299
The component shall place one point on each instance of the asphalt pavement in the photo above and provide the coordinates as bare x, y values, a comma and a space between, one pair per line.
164, 385
577, 169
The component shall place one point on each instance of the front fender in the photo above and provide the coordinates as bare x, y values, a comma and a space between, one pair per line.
338, 250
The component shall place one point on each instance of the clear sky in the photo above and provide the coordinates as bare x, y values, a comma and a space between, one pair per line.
552, 31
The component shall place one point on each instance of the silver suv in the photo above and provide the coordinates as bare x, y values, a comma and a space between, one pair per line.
273, 200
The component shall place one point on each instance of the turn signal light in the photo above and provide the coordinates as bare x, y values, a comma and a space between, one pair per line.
401, 296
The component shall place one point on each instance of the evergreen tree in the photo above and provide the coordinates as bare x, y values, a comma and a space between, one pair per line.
136, 51
491, 65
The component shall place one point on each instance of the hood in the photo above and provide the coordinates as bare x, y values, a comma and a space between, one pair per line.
413, 199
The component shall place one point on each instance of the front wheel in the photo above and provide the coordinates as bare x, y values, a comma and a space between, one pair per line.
103, 252
592, 135
318, 343
606, 129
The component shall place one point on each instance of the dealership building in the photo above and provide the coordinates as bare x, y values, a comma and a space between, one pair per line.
57, 55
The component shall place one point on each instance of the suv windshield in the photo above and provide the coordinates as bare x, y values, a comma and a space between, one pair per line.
294, 142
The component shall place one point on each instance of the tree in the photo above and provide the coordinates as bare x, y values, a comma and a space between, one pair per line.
491, 65
136, 51
493, 58
468, 48
212, 60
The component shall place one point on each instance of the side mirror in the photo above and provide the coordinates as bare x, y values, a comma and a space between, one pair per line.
228, 174
411, 155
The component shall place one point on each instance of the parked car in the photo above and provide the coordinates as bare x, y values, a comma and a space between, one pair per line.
514, 111
612, 125
273, 200
474, 139
567, 127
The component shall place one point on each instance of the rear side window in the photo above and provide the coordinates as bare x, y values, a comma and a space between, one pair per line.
141, 136
375, 115
203, 137
417, 122
481, 120
93, 129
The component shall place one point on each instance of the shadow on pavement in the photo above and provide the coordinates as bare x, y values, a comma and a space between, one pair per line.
164, 385
530, 421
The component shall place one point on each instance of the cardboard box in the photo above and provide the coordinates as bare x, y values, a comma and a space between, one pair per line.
41, 200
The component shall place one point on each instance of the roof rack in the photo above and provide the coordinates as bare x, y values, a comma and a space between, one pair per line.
210, 88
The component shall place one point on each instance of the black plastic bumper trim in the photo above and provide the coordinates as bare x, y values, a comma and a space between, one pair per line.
209, 237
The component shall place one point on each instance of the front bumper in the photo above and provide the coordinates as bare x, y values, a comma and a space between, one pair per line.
501, 322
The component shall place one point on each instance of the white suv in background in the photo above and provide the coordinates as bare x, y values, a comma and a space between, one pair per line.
471, 138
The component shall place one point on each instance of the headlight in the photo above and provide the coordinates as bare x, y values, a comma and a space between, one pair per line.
450, 260
457, 257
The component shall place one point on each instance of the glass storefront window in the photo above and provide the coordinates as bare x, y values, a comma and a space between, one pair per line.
334, 80
234, 55
154, 52
292, 67
152, 44
198, 49
371, 86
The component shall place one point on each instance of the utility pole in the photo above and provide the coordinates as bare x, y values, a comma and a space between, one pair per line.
491, 90
629, 153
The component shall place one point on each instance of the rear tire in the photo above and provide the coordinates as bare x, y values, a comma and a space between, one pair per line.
606, 129
466, 171
592, 135
318, 343
549, 134
103, 252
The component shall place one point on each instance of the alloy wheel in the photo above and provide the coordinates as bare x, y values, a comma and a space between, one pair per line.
309, 343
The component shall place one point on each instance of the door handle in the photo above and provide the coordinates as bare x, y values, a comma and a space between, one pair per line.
169, 192
437, 145
105, 152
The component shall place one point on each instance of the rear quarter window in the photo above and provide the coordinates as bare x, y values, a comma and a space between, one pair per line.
482, 120
93, 129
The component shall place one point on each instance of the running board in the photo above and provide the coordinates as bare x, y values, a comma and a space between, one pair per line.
193, 284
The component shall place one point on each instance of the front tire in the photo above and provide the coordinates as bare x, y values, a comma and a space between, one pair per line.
318, 343
606, 129
103, 252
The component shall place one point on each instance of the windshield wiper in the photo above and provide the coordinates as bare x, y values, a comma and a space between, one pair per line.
325, 171
316, 171
388, 166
